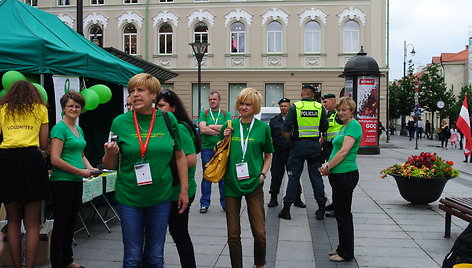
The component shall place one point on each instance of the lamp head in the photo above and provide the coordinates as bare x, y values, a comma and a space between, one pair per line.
413, 52
199, 49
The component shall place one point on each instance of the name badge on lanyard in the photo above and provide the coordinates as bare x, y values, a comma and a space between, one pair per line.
142, 169
242, 168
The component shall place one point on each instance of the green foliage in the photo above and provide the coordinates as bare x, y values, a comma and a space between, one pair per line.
433, 89
401, 96
456, 108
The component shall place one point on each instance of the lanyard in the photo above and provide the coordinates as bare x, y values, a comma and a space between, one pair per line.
211, 113
241, 132
142, 147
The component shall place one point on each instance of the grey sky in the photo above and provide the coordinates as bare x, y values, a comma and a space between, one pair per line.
431, 26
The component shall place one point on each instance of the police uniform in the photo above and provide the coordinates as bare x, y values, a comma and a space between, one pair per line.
306, 119
279, 157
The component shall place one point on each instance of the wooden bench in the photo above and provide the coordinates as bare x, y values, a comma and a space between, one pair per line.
458, 206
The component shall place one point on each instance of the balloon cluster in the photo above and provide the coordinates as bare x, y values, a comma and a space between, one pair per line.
95, 95
10, 77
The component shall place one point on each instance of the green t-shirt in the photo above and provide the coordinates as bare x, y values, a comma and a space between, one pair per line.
71, 151
260, 142
353, 129
159, 154
188, 145
209, 142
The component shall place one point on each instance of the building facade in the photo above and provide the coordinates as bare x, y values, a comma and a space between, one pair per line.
272, 46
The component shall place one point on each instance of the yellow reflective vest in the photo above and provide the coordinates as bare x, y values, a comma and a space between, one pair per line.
333, 126
308, 118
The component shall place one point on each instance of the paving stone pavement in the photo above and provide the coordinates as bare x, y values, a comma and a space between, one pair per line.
389, 232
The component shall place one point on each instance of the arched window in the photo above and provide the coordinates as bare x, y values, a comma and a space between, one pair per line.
351, 36
130, 39
165, 39
96, 35
238, 38
274, 37
312, 37
200, 33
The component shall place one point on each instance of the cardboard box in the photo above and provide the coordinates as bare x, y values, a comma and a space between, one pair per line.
44, 246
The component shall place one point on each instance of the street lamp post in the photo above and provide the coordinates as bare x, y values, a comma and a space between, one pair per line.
199, 49
412, 52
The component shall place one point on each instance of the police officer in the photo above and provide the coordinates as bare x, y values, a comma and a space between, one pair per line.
306, 120
280, 156
334, 125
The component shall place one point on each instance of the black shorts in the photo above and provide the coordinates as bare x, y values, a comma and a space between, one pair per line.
24, 176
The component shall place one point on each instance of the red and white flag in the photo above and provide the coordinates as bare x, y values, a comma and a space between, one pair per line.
463, 124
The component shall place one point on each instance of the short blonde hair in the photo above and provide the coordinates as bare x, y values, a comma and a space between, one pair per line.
251, 95
346, 102
144, 80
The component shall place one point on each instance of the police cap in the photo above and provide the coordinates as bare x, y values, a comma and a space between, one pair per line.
327, 96
283, 100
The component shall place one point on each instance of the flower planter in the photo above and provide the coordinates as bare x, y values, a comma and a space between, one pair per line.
420, 190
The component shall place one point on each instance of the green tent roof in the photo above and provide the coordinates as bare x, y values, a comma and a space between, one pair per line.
34, 41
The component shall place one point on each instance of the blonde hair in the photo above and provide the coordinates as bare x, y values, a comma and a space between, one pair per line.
144, 80
251, 95
346, 102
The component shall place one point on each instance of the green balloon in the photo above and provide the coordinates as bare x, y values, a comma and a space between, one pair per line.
42, 92
104, 92
91, 99
10, 77
3, 92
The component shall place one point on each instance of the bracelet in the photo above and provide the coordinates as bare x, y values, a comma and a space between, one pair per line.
263, 174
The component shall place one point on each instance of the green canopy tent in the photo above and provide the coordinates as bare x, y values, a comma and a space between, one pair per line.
34, 41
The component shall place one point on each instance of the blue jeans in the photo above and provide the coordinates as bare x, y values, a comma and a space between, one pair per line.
207, 154
136, 223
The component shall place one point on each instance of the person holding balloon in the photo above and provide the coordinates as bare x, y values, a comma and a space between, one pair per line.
69, 167
24, 179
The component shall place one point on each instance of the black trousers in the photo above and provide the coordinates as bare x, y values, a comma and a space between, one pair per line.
67, 199
343, 186
178, 229
277, 170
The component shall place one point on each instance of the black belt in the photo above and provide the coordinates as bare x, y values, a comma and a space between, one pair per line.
308, 139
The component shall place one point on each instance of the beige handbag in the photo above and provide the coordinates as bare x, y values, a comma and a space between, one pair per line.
215, 169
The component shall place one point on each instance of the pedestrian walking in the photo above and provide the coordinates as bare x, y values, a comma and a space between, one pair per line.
280, 155
249, 160
427, 129
334, 125
209, 123
306, 120
70, 166
419, 128
344, 175
444, 134
168, 101
24, 179
144, 183
453, 136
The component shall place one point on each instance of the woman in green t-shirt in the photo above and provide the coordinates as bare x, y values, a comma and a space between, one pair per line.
343, 177
69, 167
142, 149
249, 159
168, 101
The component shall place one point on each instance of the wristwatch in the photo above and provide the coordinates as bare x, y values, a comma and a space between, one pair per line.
263, 174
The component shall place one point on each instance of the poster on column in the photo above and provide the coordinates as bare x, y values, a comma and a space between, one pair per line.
367, 108
63, 84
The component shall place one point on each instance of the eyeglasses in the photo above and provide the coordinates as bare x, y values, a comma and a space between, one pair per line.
74, 106
128, 105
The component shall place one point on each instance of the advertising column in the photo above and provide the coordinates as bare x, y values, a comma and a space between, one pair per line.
367, 109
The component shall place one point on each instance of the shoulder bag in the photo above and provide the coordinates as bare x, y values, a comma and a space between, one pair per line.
215, 169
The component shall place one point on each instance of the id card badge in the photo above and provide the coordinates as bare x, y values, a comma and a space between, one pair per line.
242, 171
143, 173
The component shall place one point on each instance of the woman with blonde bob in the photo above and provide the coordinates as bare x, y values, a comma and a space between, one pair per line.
142, 153
249, 159
343, 177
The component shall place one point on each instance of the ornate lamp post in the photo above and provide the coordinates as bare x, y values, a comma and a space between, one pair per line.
199, 50
412, 52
